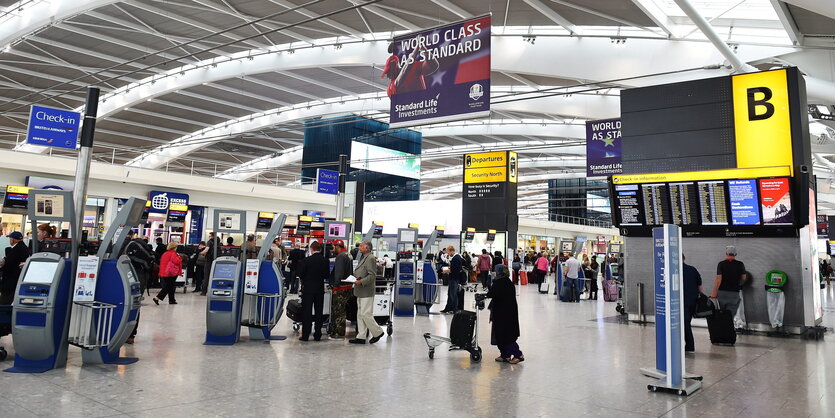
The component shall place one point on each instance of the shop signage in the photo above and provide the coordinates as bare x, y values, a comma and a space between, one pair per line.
161, 201
51, 127
327, 181
445, 74
603, 155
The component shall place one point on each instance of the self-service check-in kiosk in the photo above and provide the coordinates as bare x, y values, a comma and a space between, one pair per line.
427, 286
405, 271
612, 258
223, 305
264, 296
41, 306
102, 323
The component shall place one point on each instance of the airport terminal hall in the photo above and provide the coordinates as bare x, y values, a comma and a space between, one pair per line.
417, 208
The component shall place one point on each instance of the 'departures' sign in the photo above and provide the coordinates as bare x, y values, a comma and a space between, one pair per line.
603, 156
440, 74
53, 127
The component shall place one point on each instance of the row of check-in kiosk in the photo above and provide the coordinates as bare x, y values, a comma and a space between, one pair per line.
94, 304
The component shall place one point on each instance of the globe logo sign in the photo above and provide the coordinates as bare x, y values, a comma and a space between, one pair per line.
160, 201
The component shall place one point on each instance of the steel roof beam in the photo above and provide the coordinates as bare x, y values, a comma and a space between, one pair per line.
453, 8
787, 20
325, 20
388, 16
655, 14
552, 15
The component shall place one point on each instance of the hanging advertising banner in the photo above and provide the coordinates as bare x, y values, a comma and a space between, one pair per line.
440, 74
603, 156
85, 279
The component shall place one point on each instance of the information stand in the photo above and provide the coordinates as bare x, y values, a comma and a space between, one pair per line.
669, 320
223, 305
41, 306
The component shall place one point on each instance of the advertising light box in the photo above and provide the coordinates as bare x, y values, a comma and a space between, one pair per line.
776, 201
384, 160
744, 202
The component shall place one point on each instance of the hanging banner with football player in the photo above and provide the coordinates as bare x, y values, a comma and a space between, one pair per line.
440, 74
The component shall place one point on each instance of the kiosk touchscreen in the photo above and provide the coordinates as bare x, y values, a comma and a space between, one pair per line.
225, 288
41, 305
404, 296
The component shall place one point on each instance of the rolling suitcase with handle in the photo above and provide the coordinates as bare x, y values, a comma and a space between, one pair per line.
721, 327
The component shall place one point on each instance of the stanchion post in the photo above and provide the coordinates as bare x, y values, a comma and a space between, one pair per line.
82, 169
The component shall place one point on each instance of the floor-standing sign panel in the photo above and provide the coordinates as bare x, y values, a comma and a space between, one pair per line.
440, 74
669, 322
490, 192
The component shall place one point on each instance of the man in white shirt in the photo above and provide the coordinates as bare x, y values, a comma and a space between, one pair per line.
571, 272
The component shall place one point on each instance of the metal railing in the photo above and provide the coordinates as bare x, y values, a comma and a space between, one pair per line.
260, 309
91, 324
581, 221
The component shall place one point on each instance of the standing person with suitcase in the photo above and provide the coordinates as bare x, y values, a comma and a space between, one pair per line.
485, 264
456, 276
504, 314
313, 271
571, 273
730, 274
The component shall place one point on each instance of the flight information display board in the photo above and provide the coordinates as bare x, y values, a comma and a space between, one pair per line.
684, 203
713, 202
627, 202
656, 204
725, 207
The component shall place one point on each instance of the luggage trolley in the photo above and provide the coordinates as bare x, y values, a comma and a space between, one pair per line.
384, 305
294, 311
460, 342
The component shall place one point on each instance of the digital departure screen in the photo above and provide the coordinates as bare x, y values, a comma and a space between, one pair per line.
684, 203
776, 201
713, 202
303, 228
469, 236
378, 231
628, 206
225, 271
265, 221
176, 214
16, 199
491, 236
40, 272
656, 205
744, 203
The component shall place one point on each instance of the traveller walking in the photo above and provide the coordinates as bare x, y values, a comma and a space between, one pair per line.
730, 274
170, 267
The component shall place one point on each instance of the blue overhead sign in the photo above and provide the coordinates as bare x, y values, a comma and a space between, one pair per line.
53, 127
160, 201
327, 181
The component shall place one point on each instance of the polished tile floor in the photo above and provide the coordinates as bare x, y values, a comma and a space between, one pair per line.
580, 362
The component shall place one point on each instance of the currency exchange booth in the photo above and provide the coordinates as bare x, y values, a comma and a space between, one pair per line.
225, 288
41, 313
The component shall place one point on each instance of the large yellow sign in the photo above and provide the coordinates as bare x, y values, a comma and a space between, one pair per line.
18, 189
485, 159
761, 119
733, 173
485, 175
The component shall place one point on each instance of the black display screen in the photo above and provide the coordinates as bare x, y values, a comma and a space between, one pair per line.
656, 204
713, 202
627, 202
303, 228
469, 236
378, 231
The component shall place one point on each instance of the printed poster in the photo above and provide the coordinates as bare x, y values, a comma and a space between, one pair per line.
775, 199
603, 148
251, 277
85, 279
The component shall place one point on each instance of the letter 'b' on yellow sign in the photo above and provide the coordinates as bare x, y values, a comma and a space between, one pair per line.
761, 119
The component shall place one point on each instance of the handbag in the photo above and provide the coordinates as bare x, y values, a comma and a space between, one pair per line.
704, 307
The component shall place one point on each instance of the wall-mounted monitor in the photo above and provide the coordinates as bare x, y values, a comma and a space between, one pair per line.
337, 230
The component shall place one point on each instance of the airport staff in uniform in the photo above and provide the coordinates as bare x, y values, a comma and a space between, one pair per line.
313, 271
16, 255
343, 267
366, 274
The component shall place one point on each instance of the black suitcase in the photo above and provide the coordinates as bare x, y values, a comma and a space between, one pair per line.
721, 327
294, 310
462, 328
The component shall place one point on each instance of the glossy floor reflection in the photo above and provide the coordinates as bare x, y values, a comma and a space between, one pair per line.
579, 363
